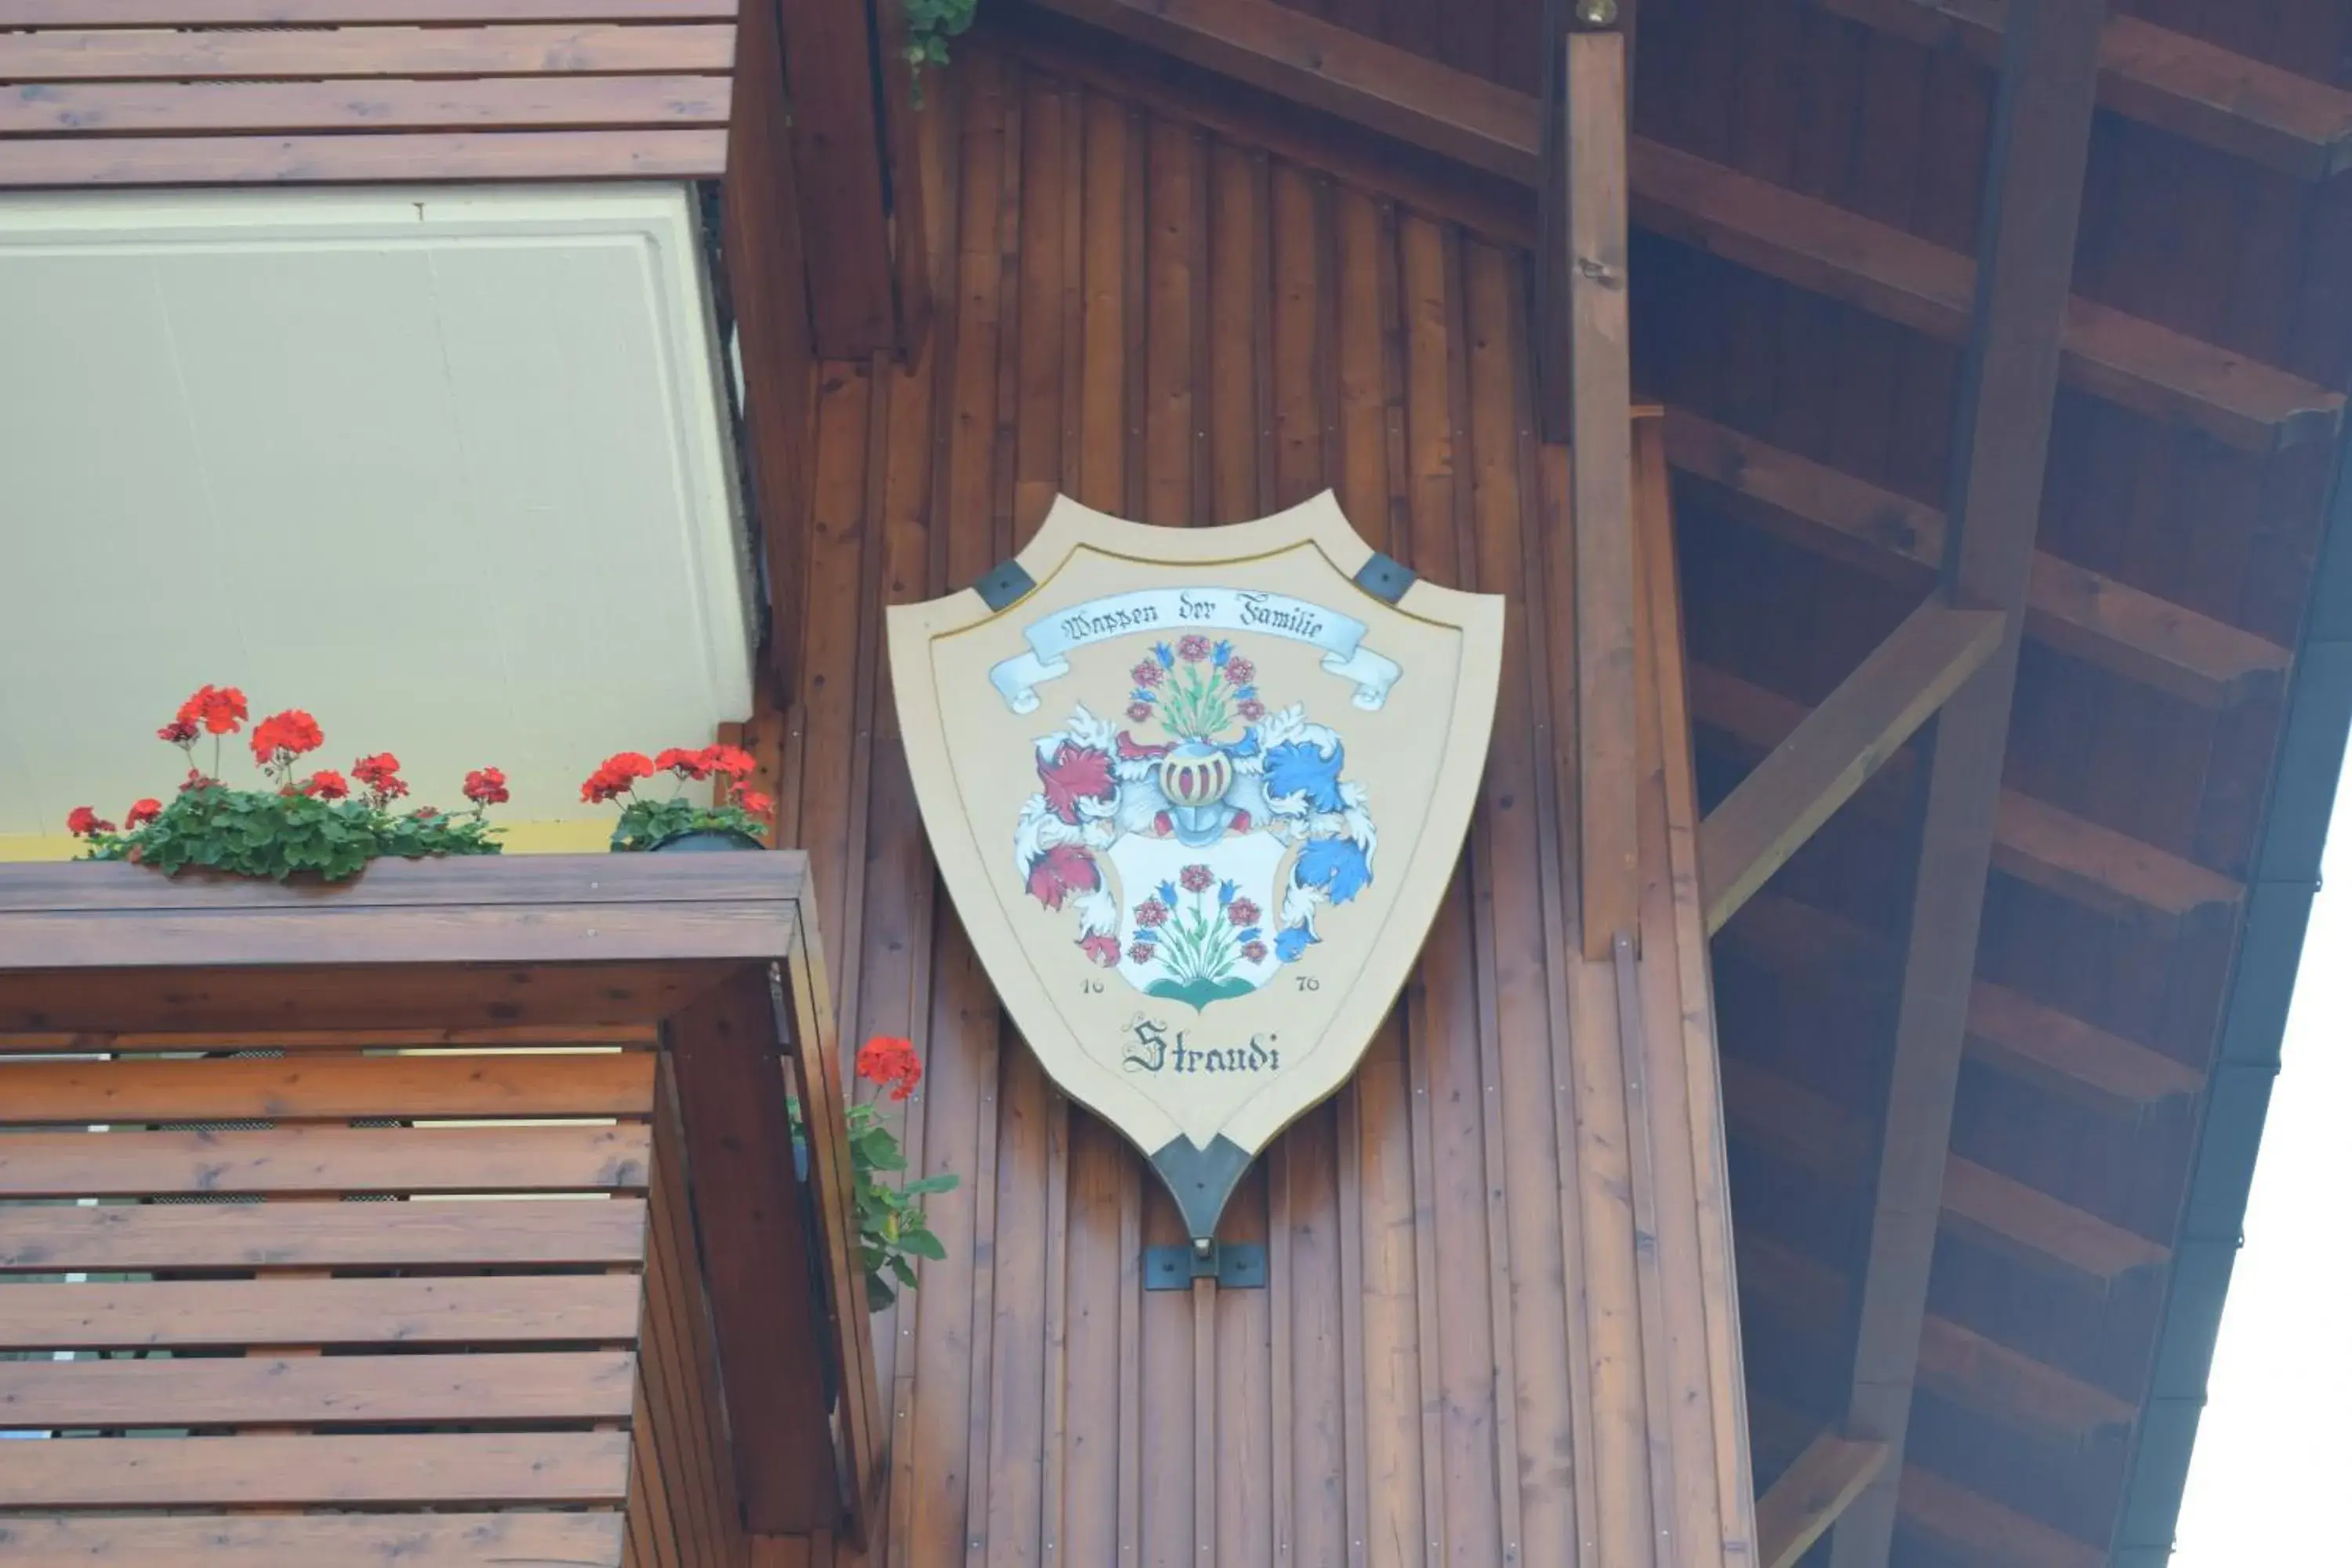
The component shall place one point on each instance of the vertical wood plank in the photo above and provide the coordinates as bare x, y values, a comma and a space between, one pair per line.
1602, 514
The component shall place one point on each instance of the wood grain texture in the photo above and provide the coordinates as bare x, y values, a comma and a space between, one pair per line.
325, 1088
1177, 327
440, 1468
1836, 749
2000, 439
1810, 1495
577, 1539
56, 54
317, 1391
111, 1238
309, 1160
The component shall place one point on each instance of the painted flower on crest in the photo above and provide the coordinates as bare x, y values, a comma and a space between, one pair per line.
1197, 878
1239, 672
1141, 952
1148, 673
1060, 871
1151, 912
1242, 912
1137, 712
1193, 648
1076, 773
1102, 949
1254, 952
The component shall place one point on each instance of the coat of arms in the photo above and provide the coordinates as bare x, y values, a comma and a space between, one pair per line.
1197, 793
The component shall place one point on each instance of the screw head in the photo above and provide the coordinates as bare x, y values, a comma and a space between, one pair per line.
1596, 13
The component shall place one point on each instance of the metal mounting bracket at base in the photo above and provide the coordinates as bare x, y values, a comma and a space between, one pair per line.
1233, 1265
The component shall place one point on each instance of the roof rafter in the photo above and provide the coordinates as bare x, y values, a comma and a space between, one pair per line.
1829, 754
1812, 245
1810, 1495
2009, 385
2168, 79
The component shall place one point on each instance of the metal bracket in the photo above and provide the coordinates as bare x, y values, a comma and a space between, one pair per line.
1233, 1265
1006, 583
1384, 577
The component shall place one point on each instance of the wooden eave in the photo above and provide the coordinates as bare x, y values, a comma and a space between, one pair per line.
2112, 890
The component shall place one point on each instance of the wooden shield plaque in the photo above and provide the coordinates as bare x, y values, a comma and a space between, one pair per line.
1197, 793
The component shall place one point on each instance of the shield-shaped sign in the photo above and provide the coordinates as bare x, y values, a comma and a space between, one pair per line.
1197, 793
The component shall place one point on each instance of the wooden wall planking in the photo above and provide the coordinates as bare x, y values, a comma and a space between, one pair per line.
1177, 327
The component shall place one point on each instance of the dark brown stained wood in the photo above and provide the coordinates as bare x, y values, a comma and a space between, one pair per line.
1812, 1133
323, 1160
1826, 249
1811, 1494
1817, 246
2083, 613
594, 1306
111, 1238
174, 108
2038, 1229
519, 1037
317, 1390
1836, 748
837, 158
578, 1540
344, 13
1601, 503
307, 54
730, 1092
2009, 382
2008, 1031
441, 1468
2169, 79
331, 1088
2033, 841
1982, 1530
1806, 1298
2014, 1033
47, 1012
766, 276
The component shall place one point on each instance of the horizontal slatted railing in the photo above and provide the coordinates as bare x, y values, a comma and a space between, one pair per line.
230, 91
312, 1282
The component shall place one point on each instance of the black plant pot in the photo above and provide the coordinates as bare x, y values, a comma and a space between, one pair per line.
707, 840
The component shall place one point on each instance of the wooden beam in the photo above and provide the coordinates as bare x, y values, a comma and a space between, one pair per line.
2008, 1031
2008, 385
2179, 84
1601, 481
1810, 1495
1811, 243
2083, 614
2033, 841
837, 159
1836, 748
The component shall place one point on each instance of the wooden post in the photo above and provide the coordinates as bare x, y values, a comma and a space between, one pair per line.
2008, 385
1601, 485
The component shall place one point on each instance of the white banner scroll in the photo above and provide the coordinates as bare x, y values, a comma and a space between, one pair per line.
1171, 612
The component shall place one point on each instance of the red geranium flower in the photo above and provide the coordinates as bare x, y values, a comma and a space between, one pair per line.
327, 785
220, 709
617, 774
179, 732
84, 823
380, 773
753, 801
285, 736
195, 780
1103, 950
686, 764
888, 1060
1194, 647
1196, 878
729, 762
143, 812
486, 786
1063, 870
1076, 773
1242, 912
